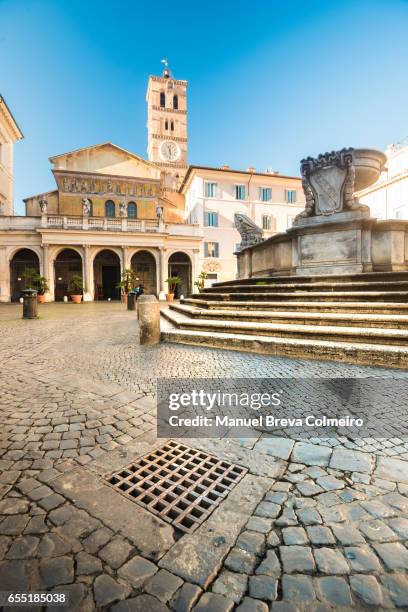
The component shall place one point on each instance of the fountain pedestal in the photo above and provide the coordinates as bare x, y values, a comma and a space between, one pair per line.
340, 244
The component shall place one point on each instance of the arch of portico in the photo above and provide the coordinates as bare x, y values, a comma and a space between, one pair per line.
107, 266
180, 263
144, 262
67, 262
20, 260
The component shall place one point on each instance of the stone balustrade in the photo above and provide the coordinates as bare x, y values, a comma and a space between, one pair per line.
74, 222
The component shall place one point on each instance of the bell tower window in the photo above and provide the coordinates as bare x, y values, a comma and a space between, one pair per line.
172, 126
162, 99
175, 101
166, 125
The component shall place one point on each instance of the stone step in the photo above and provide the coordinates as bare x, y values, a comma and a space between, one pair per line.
330, 278
372, 335
343, 296
277, 286
348, 352
390, 321
339, 307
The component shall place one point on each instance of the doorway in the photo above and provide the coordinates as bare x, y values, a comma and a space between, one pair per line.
107, 275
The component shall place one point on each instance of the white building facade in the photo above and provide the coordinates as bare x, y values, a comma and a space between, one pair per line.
9, 134
388, 197
214, 195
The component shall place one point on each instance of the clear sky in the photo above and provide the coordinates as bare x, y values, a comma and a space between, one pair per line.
270, 81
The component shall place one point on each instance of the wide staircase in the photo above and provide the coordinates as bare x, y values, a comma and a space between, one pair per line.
361, 318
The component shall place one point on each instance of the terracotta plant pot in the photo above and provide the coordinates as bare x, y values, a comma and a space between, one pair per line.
169, 297
41, 299
76, 299
123, 297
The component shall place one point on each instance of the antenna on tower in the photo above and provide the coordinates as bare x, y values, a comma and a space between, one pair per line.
166, 71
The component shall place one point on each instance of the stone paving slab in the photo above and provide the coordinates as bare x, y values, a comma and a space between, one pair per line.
152, 536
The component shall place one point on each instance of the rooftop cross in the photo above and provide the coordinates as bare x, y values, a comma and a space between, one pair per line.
166, 71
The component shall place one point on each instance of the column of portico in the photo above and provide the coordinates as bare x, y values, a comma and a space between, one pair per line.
194, 268
125, 263
87, 274
48, 273
4, 276
163, 273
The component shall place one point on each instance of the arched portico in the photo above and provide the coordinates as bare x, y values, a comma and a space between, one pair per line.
22, 263
106, 269
179, 264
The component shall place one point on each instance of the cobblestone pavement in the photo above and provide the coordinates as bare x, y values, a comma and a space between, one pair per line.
316, 524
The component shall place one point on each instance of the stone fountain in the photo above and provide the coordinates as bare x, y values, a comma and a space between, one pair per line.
335, 234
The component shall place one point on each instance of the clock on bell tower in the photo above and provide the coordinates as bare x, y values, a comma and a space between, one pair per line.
166, 99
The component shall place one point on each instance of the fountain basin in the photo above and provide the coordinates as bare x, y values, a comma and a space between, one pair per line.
368, 164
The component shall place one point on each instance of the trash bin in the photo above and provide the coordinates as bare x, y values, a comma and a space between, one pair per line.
30, 306
131, 301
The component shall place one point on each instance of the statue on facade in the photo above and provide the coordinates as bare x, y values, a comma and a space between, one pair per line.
122, 208
86, 206
329, 183
159, 213
250, 232
43, 204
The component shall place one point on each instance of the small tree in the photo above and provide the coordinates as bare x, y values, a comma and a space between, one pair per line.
172, 283
76, 285
29, 275
128, 280
200, 282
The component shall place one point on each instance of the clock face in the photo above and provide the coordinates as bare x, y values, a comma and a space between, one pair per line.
169, 151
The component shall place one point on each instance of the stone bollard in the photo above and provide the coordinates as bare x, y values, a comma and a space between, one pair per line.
30, 306
148, 309
131, 301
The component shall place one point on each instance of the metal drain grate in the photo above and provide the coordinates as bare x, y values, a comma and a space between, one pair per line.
180, 484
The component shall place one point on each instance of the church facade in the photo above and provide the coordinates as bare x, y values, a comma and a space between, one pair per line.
111, 210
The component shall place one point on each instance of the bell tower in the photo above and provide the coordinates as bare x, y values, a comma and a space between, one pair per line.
166, 99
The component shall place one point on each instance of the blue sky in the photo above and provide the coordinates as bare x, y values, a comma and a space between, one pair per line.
270, 82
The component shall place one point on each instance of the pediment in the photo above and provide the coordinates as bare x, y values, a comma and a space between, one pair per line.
106, 158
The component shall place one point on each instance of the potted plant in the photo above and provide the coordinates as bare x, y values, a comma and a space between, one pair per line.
75, 287
127, 282
200, 282
40, 284
172, 283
